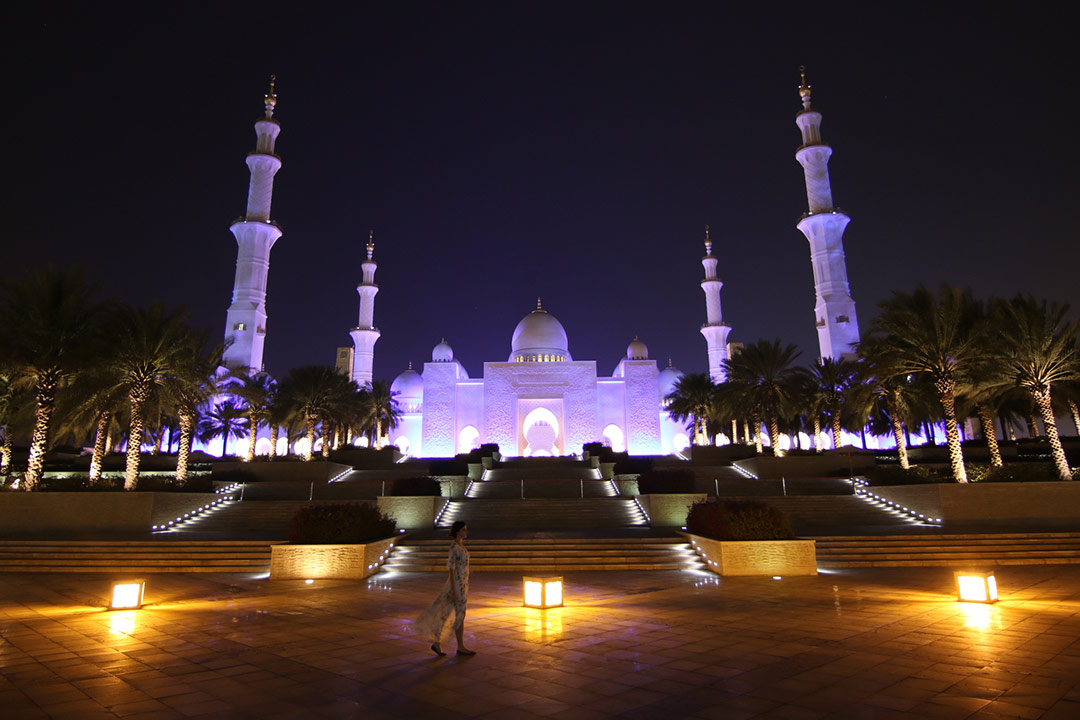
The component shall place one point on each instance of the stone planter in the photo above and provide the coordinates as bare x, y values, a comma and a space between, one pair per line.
972, 503
412, 512
627, 484
669, 509
453, 486
756, 557
346, 562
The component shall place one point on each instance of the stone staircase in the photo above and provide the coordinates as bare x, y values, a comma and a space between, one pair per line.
544, 513
550, 555
262, 519
135, 556
507, 489
952, 550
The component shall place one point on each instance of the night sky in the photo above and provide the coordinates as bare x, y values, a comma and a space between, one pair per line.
504, 151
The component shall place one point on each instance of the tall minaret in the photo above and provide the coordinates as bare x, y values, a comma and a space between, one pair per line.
823, 226
715, 330
365, 334
256, 233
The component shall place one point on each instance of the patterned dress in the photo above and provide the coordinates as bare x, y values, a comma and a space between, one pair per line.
433, 620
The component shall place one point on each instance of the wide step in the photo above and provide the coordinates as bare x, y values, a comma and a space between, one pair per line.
135, 556
949, 550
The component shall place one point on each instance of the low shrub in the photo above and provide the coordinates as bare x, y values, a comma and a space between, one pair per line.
458, 466
415, 486
78, 483
1012, 472
738, 520
665, 481
236, 476
194, 484
632, 465
339, 523
917, 475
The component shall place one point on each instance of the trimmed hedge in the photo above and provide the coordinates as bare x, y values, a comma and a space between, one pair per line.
339, 523
738, 520
403, 487
665, 481
81, 483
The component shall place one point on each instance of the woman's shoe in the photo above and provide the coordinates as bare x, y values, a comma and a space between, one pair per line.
466, 652
438, 650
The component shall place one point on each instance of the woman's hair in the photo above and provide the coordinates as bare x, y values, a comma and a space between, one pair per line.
456, 528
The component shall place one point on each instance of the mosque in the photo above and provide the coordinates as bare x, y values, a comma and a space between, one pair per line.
540, 401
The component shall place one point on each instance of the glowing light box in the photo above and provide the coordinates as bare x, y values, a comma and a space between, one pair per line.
980, 587
127, 594
542, 592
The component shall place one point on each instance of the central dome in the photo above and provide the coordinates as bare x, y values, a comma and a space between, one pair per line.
539, 337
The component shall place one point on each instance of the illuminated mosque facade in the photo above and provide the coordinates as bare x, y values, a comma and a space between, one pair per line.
540, 401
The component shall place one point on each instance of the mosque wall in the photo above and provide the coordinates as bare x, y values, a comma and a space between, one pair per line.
642, 396
470, 410
611, 405
573, 382
440, 403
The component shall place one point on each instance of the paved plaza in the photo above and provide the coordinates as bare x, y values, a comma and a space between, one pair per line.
868, 643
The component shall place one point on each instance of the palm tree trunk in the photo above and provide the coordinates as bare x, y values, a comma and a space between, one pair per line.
328, 431
987, 424
835, 420
946, 388
817, 433
39, 440
159, 440
774, 434
183, 450
137, 397
746, 433
5, 452
929, 430
96, 460
378, 431
273, 440
757, 434
901, 445
254, 423
1075, 416
1033, 425
310, 438
1011, 429
1042, 400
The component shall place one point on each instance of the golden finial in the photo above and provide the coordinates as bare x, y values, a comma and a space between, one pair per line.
669, 363
804, 88
370, 244
270, 98
538, 306
410, 364
708, 242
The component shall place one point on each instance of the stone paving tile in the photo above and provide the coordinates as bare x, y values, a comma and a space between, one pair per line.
868, 643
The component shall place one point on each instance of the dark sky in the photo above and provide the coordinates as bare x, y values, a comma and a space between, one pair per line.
507, 150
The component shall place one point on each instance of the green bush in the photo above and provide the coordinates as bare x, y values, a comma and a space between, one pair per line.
236, 476
194, 484
738, 520
458, 466
415, 486
917, 475
632, 465
1013, 472
339, 523
665, 481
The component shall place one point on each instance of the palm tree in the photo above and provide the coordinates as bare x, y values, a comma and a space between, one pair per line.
380, 408
691, 400
833, 380
889, 389
224, 419
766, 380
1038, 349
257, 391
150, 350
939, 336
195, 385
312, 391
48, 322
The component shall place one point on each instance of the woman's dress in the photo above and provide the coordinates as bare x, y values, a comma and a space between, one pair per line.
433, 620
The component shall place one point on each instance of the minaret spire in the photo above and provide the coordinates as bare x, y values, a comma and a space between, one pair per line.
245, 324
823, 225
365, 334
715, 330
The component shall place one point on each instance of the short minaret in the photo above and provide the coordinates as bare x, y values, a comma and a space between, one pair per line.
715, 330
365, 334
823, 225
256, 233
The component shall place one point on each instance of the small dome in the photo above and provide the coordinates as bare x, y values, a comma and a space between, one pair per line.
442, 352
539, 337
408, 388
667, 379
637, 350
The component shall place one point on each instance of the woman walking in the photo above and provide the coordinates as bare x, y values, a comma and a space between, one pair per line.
454, 595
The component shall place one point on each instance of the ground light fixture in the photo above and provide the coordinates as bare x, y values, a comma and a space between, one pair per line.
978, 587
127, 594
542, 592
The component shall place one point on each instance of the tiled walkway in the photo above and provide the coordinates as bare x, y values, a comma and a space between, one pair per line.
858, 644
